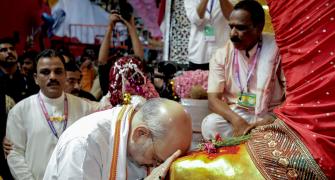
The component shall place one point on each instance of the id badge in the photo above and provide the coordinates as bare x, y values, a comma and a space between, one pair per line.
246, 100
209, 33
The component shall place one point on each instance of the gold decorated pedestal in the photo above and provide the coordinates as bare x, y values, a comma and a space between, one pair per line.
228, 163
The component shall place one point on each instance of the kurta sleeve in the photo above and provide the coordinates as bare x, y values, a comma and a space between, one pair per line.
69, 160
16, 133
216, 76
191, 12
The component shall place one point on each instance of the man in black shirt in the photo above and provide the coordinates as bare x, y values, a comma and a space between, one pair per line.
9, 71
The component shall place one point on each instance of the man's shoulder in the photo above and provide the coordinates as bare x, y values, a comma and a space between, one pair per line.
222, 52
268, 38
80, 100
23, 109
25, 103
89, 126
87, 95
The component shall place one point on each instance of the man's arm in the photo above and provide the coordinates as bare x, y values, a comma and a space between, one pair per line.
216, 105
16, 134
104, 48
195, 12
135, 41
226, 8
72, 160
216, 83
201, 9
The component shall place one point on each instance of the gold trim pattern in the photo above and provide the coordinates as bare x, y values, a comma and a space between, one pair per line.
279, 154
113, 170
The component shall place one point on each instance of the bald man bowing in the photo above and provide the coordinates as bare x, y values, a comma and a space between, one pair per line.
119, 143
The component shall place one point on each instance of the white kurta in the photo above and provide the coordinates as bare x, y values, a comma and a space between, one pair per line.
200, 51
265, 83
32, 138
84, 150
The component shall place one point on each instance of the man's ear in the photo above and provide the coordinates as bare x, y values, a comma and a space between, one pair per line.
140, 132
35, 78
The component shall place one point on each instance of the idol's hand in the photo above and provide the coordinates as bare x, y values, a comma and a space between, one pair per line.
7, 146
161, 171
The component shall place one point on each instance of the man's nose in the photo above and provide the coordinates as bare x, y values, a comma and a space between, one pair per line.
77, 85
53, 75
233, 32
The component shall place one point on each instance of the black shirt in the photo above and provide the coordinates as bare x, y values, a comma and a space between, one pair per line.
15, 85
86, 95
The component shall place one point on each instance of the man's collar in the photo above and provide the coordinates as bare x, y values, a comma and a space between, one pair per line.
46, 99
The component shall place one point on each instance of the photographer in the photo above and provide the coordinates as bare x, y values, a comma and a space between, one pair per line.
105, 61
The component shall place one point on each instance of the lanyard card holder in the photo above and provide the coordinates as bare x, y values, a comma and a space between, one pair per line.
209, 33
246, 100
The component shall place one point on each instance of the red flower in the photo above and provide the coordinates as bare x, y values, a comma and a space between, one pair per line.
218, 137
210, 147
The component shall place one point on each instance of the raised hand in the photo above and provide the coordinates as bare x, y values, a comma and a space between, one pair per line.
113, 18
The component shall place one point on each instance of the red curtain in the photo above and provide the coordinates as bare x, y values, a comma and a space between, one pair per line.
305, 34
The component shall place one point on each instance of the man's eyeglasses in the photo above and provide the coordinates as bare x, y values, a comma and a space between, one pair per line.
5, 49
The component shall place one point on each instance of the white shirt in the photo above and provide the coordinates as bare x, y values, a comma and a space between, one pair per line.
32, 138
200, 51
84, 151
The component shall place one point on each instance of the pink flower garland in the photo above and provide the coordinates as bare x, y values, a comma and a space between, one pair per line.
188, 79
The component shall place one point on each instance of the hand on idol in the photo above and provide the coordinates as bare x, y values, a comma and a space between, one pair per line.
241, 127
161, 171
7, 146
267, 119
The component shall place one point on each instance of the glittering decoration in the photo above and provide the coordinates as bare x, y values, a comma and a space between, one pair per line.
174, 95
57, 118
231, 162
126, 98
126, 78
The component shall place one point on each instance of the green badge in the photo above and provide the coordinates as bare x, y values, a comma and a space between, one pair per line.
246, 100
209, 33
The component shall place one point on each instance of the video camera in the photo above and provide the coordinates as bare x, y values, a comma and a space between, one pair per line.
125, 10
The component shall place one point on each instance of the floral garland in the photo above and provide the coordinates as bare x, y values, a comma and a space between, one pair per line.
213, 145
189, 79
126, 79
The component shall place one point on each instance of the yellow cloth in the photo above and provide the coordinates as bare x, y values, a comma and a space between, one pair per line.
229, 163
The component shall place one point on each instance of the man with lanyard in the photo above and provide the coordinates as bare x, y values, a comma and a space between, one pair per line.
35, 124
209, 29
244, 81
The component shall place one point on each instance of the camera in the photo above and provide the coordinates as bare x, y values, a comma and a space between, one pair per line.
125, 10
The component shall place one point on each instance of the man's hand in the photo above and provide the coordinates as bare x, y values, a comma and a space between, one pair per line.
86, 64
267, 119
113, 18
130, 23
241, 127
161, 171
7, 146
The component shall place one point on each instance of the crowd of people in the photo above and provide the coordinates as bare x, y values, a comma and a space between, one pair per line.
103, 116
